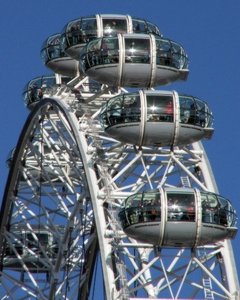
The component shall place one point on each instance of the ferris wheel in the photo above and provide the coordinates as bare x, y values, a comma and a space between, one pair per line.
110, 194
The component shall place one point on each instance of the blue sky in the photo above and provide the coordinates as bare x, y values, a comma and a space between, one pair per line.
208, 30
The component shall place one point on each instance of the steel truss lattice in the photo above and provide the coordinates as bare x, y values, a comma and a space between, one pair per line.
67, 182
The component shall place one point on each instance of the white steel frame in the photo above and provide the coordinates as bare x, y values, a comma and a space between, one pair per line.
69, 178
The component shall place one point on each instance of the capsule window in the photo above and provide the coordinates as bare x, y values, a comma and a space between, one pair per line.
231, 216
137, 50
210, 208
194, 111
152, 29
101, 51
139, 26
226, 212
109, 50
164, 54
224, 203
113, 26
74, 26
151, 199
151, 207
34, 91
92, 57
94, 46
131, 110
74, 33
134, 201
204, 116
114, 112
159, 108
187, 110
209, 118
181, 207
212, 201
176, 56
89, 28
170, 54
122, 109
54, 49
201, 115
132, 213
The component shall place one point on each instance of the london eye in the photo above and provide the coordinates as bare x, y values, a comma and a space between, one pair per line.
110, 193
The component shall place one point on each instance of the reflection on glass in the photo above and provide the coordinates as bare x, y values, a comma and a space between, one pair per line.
194, 111
139, 26
37, 87
101, 51
181, 207
217, 210
159, 108
137, 50
112, 27
121, 109
170, 54
79, 31
83, 30
52, 49
142, 26
144, 207
88, 29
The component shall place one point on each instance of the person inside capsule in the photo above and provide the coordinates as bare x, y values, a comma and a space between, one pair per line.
52, 49
181, 207
160, 108
37, 87
85, 29
111, 27
137, 50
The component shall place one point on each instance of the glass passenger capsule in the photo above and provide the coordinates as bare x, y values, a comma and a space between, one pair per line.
30, 246
160, 118
176, 217
77, 33
37, 87
56, 59
134, 60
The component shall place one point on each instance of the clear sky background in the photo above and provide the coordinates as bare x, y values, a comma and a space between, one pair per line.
209, 30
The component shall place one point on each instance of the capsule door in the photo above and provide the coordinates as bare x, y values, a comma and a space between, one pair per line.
136, 67
180, 228
159, 126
